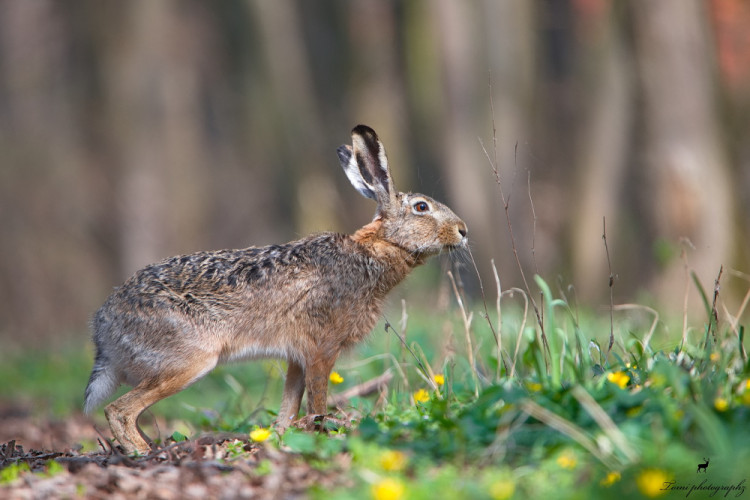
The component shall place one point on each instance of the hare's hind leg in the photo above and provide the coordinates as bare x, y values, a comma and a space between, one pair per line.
123, 413
294, 387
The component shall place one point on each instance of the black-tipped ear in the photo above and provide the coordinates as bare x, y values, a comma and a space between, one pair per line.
349, 164
366, 165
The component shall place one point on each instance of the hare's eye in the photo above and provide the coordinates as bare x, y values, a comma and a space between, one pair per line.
421, 207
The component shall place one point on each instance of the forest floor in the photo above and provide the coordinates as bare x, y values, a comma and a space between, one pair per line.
202, 468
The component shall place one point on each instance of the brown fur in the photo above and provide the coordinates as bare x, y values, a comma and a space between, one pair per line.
304, 301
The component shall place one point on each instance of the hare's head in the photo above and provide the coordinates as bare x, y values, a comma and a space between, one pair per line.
412, 221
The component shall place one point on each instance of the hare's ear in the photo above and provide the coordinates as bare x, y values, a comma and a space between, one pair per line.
366, 166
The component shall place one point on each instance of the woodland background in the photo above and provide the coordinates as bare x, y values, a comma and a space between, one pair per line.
132, 131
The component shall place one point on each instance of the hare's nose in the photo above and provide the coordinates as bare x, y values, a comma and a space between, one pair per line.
462, 229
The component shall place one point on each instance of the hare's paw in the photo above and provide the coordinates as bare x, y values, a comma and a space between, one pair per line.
321, 423
126, 432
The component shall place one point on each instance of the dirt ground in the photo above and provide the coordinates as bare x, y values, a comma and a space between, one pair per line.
212, 466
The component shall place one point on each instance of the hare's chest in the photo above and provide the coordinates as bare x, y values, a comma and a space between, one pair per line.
358, 322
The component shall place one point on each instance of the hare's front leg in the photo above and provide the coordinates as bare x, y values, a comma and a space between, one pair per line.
316, 380
294, 387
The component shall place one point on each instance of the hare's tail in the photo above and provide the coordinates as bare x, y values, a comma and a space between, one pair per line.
102, 383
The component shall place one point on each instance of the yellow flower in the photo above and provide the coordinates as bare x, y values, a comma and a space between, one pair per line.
393, 460
567, 460
335, 378
421, 396
746, 393
620, 379
721, 404
260, 435
611, 478
714, 357
502, 489
534, 386
439, 379
651, 482
388, 489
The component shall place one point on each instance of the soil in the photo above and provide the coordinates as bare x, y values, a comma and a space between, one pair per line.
211, 466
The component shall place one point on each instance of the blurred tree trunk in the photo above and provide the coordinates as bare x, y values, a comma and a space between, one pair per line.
513, 50
602, 151
300, 128
468, 178
731, 20
688, 189
153, 70
48, 269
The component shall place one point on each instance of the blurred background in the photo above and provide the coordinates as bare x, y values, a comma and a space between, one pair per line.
132, 131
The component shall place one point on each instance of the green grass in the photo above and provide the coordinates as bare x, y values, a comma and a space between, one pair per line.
569, 422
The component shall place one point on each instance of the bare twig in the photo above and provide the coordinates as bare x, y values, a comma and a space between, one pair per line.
498, 337
495, 333
403, 342
402, 326
533, 231
735, 321
467, 331
611, 290
506, 205
744, 303
714, 320
654, 323
365, 388
683, 255
521, 328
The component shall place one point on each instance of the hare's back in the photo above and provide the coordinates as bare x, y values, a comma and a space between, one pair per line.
212, 287
199, 283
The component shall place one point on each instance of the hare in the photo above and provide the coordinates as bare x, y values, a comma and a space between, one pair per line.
305, 302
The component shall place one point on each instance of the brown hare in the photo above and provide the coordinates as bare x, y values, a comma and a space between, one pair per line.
306, 301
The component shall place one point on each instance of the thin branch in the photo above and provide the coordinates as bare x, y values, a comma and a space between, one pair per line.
403, 342
744, 303
364, 389
611, 290
506, 205
714, 320
499, 335
654, 323
495, 333
467, 332
521, 328
533, 231
683, 255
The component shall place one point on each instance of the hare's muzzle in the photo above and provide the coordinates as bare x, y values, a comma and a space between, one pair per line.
460, 232
462, 229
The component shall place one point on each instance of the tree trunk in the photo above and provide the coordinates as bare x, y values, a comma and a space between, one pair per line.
688, 189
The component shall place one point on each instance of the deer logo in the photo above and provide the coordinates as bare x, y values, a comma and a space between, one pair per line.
703, 466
